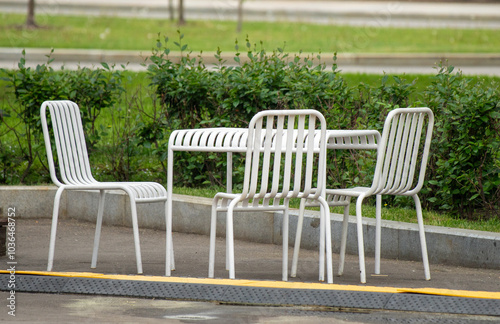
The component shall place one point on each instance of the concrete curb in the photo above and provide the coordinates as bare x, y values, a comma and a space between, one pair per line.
96, 56
475, 249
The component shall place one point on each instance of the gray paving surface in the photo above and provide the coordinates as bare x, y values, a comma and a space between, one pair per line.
50, 308
253, 261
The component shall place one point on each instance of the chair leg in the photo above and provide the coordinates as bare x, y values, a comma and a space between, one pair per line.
284, 271
172, 258
169, 257
343, 242
230, 242
423, 243
378, 232
322, 241
227, 246
53, 230
168, 247
211, 254
361, 248
135, 228
169, 243
325, 211
298, 238
229, 172
98, 227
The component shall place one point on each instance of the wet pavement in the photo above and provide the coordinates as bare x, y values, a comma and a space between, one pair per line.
257, 264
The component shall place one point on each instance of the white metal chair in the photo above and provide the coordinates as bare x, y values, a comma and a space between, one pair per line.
285, 158
75, 173
397, 172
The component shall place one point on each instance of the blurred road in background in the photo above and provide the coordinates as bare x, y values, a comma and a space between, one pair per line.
360, 13
365, 13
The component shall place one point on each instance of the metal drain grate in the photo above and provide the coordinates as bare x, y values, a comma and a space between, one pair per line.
271, 296
174, 290
93, 287
444, 304
34, 283
143, 289
254, 295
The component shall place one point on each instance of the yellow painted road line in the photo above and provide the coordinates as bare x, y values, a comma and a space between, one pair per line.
269, 284
452, 293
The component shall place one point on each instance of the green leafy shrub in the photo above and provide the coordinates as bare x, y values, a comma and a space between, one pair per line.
193, 96
465, 169
92, 89
31, 87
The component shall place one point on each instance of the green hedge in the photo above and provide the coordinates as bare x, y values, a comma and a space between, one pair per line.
464, 169
93, 89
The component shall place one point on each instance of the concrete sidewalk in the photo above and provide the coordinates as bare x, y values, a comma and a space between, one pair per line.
451, 246
254, 261
112, 292
189, 297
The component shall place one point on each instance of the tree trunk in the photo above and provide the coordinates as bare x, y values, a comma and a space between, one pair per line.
171, 9
240, 16
181, 13
30, 19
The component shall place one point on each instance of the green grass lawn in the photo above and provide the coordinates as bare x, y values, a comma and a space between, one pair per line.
140, 34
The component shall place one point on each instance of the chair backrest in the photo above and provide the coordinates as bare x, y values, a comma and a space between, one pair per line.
69, 140
403, 152
286, 154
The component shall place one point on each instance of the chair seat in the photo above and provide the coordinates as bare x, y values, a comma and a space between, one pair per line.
145, 191
140, 191
265, 204
350, 192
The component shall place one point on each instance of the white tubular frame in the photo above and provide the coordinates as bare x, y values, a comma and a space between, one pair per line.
234, 140
398, 152
274, 136
75, 173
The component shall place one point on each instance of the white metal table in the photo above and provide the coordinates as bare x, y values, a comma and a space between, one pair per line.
234, 140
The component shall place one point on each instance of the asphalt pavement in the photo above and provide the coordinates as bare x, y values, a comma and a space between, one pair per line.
113, 293
59, 298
